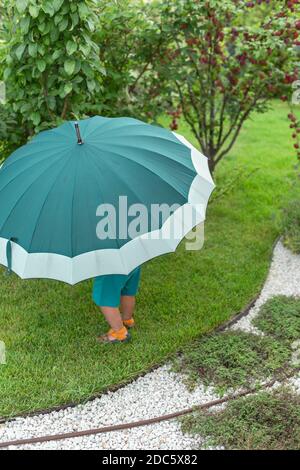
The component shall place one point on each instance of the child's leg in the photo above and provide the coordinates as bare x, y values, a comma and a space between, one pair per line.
118, 331
128, 294
113, 317
127, 306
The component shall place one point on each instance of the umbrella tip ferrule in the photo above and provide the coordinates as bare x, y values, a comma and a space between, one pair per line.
79, 139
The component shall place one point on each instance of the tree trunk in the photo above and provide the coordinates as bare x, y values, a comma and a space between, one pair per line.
211, 164
211, 159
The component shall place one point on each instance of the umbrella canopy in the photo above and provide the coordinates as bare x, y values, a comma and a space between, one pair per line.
55, 191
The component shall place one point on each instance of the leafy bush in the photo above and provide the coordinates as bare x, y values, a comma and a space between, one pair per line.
130, 41
51, 64
11, 134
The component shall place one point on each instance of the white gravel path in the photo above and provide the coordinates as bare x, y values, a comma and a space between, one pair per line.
157, 393
283, 279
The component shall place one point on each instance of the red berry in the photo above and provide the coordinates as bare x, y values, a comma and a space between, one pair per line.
174, 125
253, 61
296, 146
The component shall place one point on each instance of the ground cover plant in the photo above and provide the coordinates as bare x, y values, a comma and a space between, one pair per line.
280, 317
232, 359
269, 420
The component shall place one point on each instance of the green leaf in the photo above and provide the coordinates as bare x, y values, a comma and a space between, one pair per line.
42, 26
20, 50
87, 69
24, 108
73, 7
68, 88
21, 5
6, 73
75, 19
71, 47
51, 102
69, 66
24, 24
34, 11
46, 29
85, 49
101, 68
48, 8
35, 118
32, 49
77, 66
91, 84
41, 49
63, 24
57, 4
57, 19
91, 25
83, 10
41, 65
54, 35
56, 54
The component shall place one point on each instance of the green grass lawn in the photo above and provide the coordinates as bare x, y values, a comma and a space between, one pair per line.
49, 328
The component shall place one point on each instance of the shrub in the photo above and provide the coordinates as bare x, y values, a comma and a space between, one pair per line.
51, 64
223, 61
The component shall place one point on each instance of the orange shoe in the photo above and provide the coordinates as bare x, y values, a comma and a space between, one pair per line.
115, 336
129, 323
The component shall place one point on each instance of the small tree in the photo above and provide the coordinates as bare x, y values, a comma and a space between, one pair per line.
52, 69
131, 39
223, 63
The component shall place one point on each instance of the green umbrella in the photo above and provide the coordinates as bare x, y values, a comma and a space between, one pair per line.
58, 193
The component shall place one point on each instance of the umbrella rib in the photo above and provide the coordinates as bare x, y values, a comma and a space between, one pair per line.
72, 207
